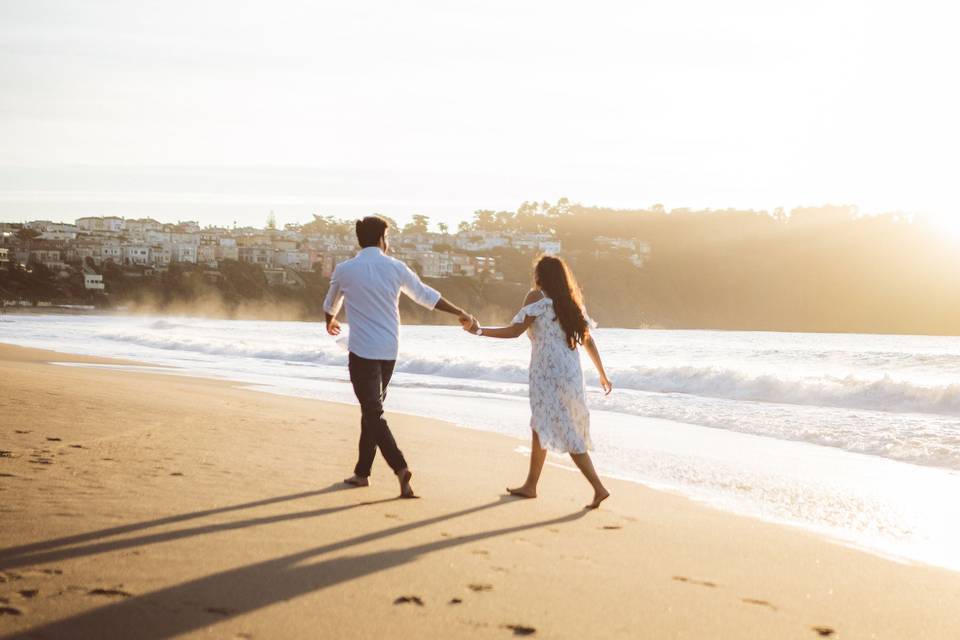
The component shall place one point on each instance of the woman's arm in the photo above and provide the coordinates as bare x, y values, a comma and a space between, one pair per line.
511, 331
594, 354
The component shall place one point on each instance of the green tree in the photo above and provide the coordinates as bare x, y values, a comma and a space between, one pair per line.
503, 220
484, 220
327, 225
419, 224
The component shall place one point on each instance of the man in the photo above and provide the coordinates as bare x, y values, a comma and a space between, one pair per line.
371, 283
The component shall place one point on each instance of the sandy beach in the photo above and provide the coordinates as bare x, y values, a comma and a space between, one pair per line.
156, 506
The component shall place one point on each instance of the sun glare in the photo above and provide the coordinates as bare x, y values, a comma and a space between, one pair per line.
949, 225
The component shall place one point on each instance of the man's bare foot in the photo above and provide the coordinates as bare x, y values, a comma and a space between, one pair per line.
406, 491
522, 492
598, 497
357, 481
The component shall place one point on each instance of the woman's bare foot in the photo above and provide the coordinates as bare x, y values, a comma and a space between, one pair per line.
406, 491
598, 497
357, 481
522, 492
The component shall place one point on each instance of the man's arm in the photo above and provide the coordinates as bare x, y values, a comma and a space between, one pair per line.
430, 297
448, 307
333, 325
332, 303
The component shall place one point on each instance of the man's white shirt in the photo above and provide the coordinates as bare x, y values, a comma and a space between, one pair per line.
371, 283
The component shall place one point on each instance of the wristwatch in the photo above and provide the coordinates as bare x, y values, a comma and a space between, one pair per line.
479, 331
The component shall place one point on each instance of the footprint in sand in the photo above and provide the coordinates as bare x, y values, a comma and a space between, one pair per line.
77, 446
28, 593
702, 583
478, 587
10, 611
220, 611
21, 431
759, 603
176, 473
823, 632
109, 593
409, 600
4, 453
55, 439
611, 527
520, 629
7, 475
455, 601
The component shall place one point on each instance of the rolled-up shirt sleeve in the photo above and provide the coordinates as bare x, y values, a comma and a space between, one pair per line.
334, 299
414, 288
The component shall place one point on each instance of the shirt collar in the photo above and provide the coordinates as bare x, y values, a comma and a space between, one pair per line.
370, 251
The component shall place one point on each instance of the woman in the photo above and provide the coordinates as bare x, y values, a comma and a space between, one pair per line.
554, 316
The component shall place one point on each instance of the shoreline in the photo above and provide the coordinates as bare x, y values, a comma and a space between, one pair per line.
191, 506
159, 313
886, 546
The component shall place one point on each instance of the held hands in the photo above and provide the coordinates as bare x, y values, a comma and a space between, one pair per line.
333, 327
466, 321
469, 323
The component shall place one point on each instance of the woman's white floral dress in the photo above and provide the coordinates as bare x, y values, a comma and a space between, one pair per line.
558, 401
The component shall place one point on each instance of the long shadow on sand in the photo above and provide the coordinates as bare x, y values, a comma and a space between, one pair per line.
12, 561
172, 611
12, 552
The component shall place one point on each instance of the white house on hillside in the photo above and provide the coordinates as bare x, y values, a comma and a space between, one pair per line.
92, 281
111, 224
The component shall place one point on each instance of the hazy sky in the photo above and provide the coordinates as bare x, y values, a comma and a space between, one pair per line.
222, 111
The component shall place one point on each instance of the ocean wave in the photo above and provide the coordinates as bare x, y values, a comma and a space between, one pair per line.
164, 324
238, 348
884, 393
851, 392
465, 369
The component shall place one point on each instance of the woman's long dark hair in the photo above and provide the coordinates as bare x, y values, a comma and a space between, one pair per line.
555, 279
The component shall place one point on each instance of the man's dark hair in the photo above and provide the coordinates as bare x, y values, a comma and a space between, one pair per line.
370, 230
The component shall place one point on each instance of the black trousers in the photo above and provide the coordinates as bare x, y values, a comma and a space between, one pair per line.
370, 379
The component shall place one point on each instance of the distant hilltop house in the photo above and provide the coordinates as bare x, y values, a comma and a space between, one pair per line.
481, 240
111, 224
487, 240
49, 258
638, 250
92, 281
52, 230
140, 226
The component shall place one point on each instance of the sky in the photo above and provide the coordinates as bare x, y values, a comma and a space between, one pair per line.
224, 111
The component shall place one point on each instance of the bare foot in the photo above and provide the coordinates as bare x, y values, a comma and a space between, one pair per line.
357, 481
598, 497
406, 491
522, 492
